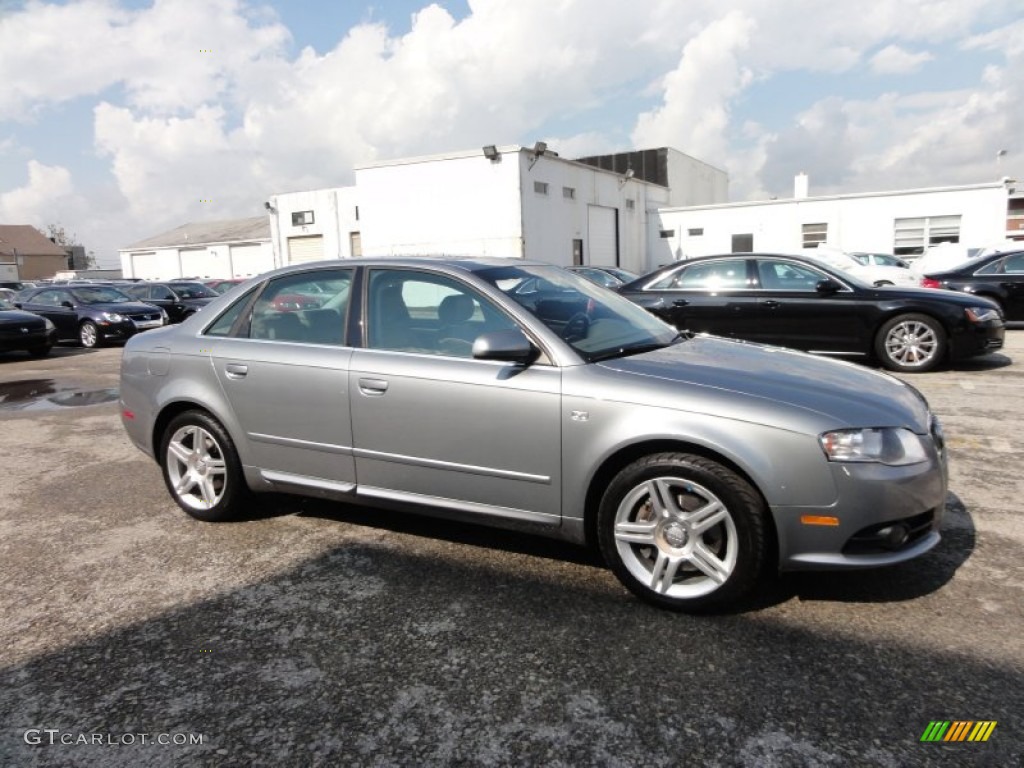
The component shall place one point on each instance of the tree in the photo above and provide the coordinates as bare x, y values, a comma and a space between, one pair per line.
59, 236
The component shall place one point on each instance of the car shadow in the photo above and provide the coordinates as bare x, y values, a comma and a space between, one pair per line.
906, 581
989, 362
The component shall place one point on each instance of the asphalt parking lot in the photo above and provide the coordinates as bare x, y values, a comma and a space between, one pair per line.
323, 634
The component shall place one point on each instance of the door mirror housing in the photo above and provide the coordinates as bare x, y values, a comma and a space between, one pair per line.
510, 345
827, 286
67, 304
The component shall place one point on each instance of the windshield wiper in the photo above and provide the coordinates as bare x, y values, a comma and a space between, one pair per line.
638, 349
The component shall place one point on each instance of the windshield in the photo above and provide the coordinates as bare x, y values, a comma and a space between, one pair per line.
193, 291
595, 322
99, 295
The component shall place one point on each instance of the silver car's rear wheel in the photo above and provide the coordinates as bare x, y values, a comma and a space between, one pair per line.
682, 531
201, 468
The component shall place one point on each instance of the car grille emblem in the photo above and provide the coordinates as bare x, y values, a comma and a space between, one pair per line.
24, 329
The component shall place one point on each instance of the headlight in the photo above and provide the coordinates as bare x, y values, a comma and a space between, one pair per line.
982, 314
892, 446
112, 317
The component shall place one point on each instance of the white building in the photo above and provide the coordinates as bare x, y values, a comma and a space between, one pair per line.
506, 201
902, 222
209, 249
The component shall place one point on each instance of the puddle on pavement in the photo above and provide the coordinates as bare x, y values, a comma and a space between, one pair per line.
45, 395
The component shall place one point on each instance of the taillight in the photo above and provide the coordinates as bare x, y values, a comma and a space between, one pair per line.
930, 282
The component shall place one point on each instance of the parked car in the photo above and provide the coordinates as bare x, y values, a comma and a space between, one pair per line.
177, 299
798, 303
609, 277
694, 464
223, 286
997, 276
91, 314
867, 268
20, 330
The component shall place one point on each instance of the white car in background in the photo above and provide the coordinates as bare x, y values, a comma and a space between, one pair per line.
877, 269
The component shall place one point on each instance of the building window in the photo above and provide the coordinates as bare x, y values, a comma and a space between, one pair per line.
630, 204
912, 236
540, 187
300, 218
357, 213
569, 193
814, 235
743, 243
695, 231
667, 233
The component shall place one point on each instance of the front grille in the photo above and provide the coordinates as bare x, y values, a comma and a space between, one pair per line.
873, 541
142, 316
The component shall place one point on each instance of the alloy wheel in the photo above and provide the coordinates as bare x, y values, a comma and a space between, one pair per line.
196, 467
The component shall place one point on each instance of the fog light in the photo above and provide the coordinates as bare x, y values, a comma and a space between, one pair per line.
893, 536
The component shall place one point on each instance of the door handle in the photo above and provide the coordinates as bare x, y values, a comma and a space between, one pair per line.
373, 387
680, 302
236, 370
771, 304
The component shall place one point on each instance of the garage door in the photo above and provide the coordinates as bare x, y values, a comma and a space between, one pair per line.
199, 263
302, 249
602, 236
146, 266
249, 260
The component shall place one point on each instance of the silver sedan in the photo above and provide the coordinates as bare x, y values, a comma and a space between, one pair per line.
520, 395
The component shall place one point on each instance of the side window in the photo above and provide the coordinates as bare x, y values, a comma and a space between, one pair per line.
223, 324
411, 311
160, 292
713, 276
787, 276
47, 299
308, 307
1014, 265
994, 268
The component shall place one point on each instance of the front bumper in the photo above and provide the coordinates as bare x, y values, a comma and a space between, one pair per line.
885, 515
977, 340
34, 339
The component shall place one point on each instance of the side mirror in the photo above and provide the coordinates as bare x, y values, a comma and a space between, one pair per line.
17, 304
826, 286
509, 345
67, 304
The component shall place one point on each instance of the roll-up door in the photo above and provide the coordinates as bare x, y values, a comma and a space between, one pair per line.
146, 266
249, 260
602, 236
195, 263
301, 249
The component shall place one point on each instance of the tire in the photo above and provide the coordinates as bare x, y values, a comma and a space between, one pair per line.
42, 351
89, 334
911, 343
706, 548
201, 468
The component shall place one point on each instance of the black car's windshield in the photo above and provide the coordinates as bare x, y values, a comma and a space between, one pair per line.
596, 322
193, 291
99, 294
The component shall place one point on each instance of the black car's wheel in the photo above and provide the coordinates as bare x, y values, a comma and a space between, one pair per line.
42, 351
89, 334
683, 532
911, 343
201, 467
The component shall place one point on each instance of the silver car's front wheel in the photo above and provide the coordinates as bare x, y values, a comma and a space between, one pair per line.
200, 467
682, 531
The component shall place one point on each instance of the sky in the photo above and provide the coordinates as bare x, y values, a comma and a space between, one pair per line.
121, 120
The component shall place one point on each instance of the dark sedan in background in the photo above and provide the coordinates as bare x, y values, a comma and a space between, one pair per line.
20, 330
998, 276
793, 302
92, 314
609, 277
178, 299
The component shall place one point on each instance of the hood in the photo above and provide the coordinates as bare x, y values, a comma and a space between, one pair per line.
18, 317
929, 294
123, 308
774, 383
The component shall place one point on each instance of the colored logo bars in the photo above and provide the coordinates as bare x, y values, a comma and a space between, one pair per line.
958, 730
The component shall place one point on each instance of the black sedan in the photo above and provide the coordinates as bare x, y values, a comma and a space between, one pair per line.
793, 302
177, 299
91, 314
26, 331
999, 276
609, 277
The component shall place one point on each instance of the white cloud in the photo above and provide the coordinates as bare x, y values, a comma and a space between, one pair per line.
33, 202
893, 60
695, 111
